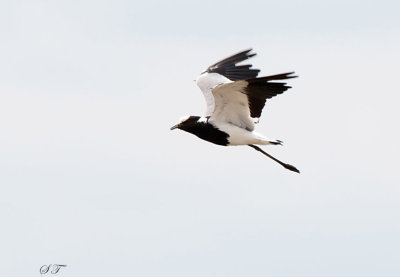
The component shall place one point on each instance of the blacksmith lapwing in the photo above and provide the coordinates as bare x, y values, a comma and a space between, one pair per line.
235, 98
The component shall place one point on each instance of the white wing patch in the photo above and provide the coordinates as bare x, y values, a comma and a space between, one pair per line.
206, 82
232, 106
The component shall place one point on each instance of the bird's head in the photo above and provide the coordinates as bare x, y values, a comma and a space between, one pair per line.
185, 122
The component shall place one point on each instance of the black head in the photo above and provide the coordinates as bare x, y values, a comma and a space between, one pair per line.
186, 122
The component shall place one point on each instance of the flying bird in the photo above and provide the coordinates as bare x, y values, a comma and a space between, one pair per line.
235, 98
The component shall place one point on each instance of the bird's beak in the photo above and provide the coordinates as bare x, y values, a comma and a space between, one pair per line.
174, 127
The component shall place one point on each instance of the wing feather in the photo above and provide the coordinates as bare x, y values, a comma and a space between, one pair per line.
206, 82
234, 95
222, 72
233, 72
259, 90
240, 102
232, 105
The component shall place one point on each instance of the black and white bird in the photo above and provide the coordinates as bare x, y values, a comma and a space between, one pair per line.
235, 98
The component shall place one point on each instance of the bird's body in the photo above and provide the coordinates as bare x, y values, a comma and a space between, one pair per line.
235, 99
225, 134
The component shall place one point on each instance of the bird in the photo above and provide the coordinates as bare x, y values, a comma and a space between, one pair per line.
235, 98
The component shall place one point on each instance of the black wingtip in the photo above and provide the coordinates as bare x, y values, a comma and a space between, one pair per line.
282, 76
246, 52
290, 75
234, 59
228, 67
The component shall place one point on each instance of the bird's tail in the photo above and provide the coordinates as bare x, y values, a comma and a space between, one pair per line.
261, 140
274, 142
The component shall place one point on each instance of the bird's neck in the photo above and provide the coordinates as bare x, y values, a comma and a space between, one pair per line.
207, 131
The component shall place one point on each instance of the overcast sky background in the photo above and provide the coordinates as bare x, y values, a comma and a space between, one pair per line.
92, 177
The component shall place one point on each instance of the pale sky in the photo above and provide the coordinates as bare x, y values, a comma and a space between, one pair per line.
92, 177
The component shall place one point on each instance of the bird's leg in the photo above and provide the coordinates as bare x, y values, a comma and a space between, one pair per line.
287, 166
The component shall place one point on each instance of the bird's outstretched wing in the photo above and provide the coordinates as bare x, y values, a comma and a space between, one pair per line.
240, 102
225, 71
233, 93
